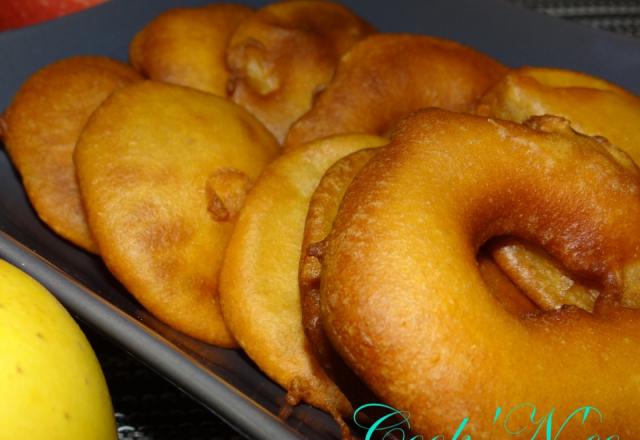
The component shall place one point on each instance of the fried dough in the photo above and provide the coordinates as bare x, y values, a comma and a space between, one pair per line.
592, 106
163, 170
41, 127
259, 289
404, 304
280, 56
323, 208
384, 77
187, 46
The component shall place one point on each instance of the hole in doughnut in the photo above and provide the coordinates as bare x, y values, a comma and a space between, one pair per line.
508, 294
403, 302
525, 279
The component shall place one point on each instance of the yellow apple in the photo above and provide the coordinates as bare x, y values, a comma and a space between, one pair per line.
51, 385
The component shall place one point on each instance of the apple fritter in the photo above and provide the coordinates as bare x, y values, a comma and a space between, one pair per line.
592, 105
589, 105
385, 77
163, 170
259, 288
286, 52
40, 130
187, 46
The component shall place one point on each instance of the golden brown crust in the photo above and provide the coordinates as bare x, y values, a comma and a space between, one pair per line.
259, 289
400, 285
145, 162
385, 77
283, 53
323, 208
589, 105
187, 46
592, 105
226, 191
42, 125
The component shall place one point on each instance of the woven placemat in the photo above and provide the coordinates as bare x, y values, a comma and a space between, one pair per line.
620, 16
150, 408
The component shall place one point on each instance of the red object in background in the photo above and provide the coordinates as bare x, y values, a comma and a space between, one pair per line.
19, 13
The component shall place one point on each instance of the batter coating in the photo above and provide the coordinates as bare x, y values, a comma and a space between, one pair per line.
162, 170
385, 77
259, 290
323, 208
404, 303
41, 128
284, 53
187, 46
591, 106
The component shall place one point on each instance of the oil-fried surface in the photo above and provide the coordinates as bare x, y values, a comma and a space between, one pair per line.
591, 106
144, 165
285, 52
404, 303
187, 46
41, 127
385, 77
323, 208
259, 289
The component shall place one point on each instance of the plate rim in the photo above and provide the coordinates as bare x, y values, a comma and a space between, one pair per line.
242, 413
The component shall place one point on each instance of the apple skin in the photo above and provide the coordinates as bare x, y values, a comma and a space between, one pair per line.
52, 385
19, 13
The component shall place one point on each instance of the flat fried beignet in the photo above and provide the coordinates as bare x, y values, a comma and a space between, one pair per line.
163, 170
41, 127
280, 56
591, 105
323, 208
187, 46
385, 77
259, 289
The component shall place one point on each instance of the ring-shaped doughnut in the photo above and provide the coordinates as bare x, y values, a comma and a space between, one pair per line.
403, 302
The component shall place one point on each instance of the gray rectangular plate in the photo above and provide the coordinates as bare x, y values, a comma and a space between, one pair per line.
224, 380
